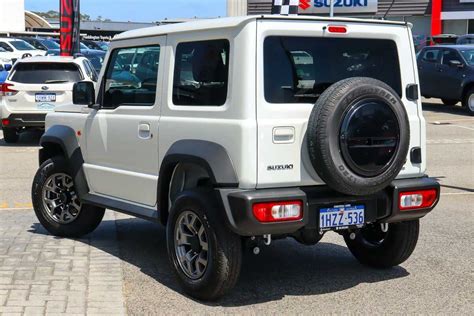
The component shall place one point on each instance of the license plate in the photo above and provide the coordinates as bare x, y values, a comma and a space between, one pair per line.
341, 217
45, 97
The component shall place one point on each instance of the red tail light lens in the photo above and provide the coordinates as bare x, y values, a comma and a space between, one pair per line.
417, 199
278, 211
341, 29
6, 90
5, 122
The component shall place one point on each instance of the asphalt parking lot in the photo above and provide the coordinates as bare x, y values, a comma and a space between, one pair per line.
123, 267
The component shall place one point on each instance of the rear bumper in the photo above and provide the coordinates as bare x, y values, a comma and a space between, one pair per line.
19, 120
379, 208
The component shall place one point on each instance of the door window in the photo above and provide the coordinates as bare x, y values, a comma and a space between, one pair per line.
201, 73
430, 55
450, 55
132, 76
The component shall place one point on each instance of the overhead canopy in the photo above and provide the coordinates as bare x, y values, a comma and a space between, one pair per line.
33, 20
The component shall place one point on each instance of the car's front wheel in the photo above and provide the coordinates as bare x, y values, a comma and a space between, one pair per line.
384, 248
57, 205
10, 135
204, 254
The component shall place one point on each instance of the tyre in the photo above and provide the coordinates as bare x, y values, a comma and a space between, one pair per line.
468, 101
204, 254
379, 249
10, 135
57, 205
449, 102
358, 136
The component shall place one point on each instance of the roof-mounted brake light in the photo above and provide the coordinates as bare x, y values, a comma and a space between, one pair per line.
340, 29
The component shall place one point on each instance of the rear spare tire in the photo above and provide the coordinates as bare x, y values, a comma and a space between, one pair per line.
358, 136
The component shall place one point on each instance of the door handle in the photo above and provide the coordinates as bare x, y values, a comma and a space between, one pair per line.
144, 131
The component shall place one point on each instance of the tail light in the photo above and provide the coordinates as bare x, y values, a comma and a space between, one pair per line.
341, 29
5, 122
6, 90
278, 211
417, 199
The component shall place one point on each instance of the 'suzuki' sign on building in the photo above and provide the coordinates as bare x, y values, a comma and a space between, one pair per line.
319, 7
70, 27
340, 6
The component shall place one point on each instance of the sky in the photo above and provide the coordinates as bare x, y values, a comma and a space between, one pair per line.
139, 10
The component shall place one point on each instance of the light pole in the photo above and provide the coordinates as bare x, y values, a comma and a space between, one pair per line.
331, 8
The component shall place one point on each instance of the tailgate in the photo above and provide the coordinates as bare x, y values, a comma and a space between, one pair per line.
296, 56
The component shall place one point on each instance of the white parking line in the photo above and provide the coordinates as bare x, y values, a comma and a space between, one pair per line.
458, 193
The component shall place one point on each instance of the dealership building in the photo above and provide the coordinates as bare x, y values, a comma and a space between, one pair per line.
428, 17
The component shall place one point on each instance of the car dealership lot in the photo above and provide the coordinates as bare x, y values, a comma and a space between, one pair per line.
123, 266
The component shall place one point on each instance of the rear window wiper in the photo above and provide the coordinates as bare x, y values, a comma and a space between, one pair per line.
56, 81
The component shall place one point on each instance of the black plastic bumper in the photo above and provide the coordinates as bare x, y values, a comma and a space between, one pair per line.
27, 120
381, 207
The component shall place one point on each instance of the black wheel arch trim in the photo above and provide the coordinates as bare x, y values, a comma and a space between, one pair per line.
209, 155
64, 137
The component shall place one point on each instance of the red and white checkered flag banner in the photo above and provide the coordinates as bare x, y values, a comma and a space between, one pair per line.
285, 7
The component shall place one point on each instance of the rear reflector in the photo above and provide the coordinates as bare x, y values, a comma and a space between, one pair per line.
6, 90
337, 29
278, 211
417, 199
5, 122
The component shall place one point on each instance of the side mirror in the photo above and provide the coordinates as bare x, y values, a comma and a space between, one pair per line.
83, 93
456, 63
8, 67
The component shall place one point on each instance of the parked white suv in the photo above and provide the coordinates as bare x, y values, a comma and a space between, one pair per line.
36, 86
15, 49
238, 131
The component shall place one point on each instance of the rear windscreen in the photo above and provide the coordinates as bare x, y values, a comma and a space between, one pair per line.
300, 69
46, 73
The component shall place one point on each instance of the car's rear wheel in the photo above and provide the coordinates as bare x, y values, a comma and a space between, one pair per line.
57, 205
204, 254
10, 135
468, 102
449, 102
379, 248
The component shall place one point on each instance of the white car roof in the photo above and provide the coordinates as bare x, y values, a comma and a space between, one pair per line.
230, 22
51, 59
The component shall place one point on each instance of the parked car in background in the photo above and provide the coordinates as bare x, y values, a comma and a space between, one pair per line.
17, 49
41, 43
443, 39
92, 45
104, 45
465, 39
96, 57
35, 87
447, 72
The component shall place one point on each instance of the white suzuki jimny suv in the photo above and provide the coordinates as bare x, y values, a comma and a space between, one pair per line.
239, 131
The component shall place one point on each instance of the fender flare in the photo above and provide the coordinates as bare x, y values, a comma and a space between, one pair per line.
209, 155
64, 137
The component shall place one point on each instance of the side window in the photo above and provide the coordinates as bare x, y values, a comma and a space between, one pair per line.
131, 77
450, 55
201, 73
6, 47
430, 55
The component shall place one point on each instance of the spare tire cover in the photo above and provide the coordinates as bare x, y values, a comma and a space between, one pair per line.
358, 136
